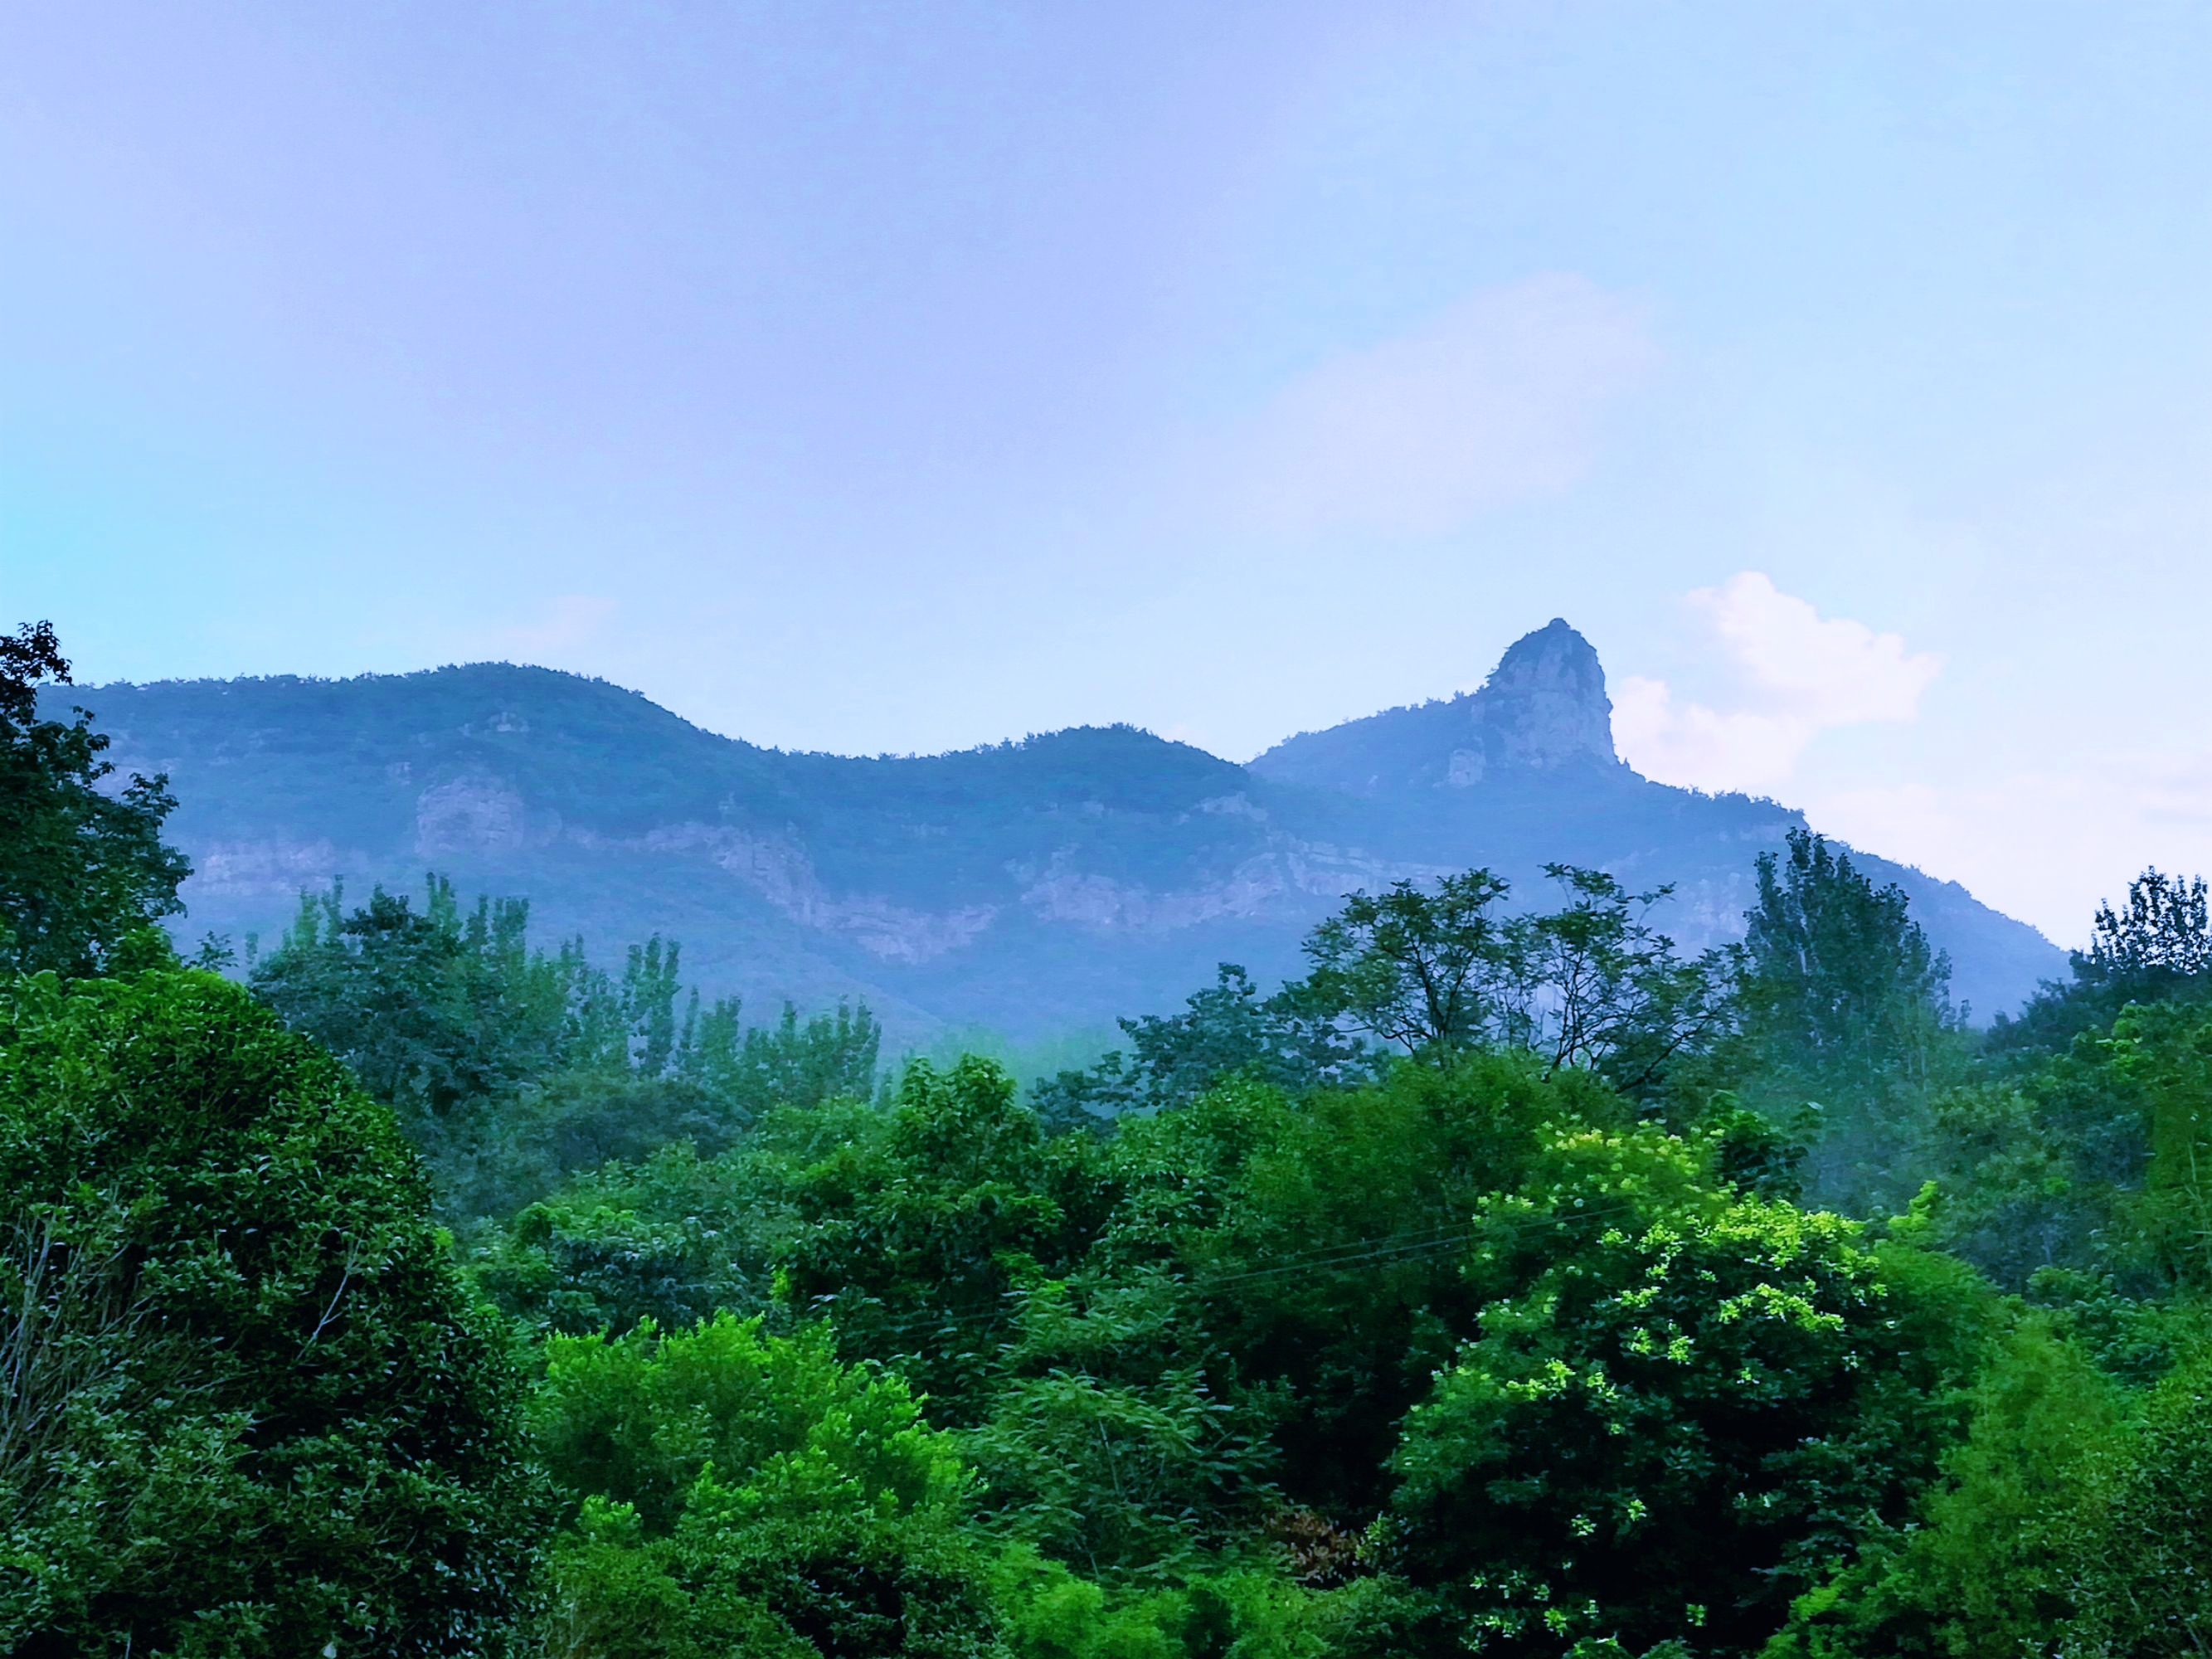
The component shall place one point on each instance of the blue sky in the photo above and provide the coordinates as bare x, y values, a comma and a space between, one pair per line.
896, 378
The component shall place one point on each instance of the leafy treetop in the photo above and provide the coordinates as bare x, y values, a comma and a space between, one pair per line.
82, 868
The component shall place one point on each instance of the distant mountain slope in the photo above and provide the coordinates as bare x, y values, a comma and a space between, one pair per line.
1032, 886
1543, 707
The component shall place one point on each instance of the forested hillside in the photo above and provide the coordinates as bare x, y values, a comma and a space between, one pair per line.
1511, 1280
1035, 887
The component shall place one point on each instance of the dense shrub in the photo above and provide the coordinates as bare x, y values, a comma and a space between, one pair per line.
251, 1409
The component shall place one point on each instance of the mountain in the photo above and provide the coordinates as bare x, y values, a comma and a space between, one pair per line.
1543, 708
1043, 885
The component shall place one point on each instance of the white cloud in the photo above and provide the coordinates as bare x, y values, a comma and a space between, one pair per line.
1801, 674
2043, 843
1493, 400
1687, 743
1832, 671
2047, 845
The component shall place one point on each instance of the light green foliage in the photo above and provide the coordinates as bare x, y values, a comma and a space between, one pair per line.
1051, 1613
1681, 1400
774, 1425
737, 1489
249, 1409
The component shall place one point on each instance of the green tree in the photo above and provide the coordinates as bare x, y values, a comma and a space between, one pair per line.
1592, 985
1321, 1240
2165, 1052
1605, 990
829, 1056
674, 1239
1107, 1447
1842, 1001
435, 1010
2136, 1570
512, 1067
1682, 1403
1432, 972
2074, 1519
735, 1490
1838, 981
1991, 1563
1224, 1030
2156, 947
251, 1409
914, 1244
82, 868
2097, 1162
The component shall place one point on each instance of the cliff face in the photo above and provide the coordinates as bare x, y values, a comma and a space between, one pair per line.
1046, 884
1544, 705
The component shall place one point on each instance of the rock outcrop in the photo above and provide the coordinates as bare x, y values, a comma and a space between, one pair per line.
1544, 702
1543, 707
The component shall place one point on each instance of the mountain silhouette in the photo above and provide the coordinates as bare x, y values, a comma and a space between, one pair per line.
1035, 886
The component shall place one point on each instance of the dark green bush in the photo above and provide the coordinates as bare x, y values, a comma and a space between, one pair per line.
252, 1410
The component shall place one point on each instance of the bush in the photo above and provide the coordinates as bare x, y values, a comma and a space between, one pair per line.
735, 1490
1681, 1401
254, 1412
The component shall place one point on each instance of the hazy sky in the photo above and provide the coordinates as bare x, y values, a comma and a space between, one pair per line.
903, 376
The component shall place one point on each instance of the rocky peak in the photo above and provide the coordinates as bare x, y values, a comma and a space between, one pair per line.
1542, 707
1544, 703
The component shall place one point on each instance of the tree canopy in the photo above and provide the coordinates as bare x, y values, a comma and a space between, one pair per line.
82, 868
251, 1407
1513, 1283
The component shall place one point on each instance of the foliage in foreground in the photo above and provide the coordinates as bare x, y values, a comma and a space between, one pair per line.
1516, 1342
251, 1409
738, 1492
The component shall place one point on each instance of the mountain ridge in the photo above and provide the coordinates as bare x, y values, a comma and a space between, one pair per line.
1042, 884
